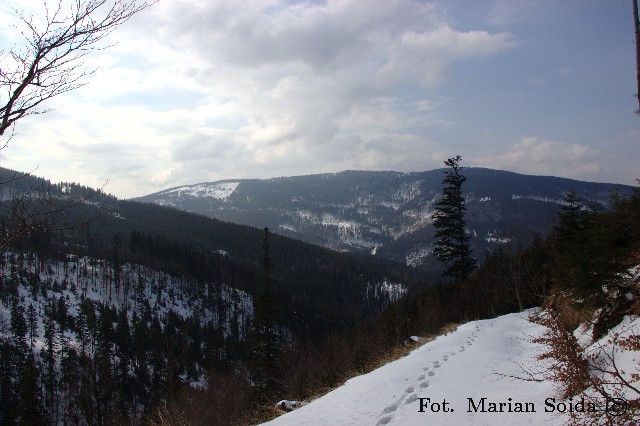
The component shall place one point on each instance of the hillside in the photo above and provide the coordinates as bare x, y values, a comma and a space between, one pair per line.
322, 289
106, 303
387, 214
466, 363
121, 308
481, 371
143, 329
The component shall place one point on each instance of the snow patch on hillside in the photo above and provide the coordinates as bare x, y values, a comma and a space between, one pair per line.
537, 198
218, 190
493, 238
418, 255
387, 290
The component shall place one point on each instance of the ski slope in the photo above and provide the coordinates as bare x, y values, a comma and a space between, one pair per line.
457, 379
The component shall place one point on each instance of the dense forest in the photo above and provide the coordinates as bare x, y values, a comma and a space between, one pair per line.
146, 315
121, 304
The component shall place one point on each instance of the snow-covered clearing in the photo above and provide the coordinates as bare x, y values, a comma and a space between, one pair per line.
217, 190
447, 381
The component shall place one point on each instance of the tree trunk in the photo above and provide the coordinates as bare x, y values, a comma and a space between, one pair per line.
636, 25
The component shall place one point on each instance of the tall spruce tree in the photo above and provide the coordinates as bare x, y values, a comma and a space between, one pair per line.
265, 336
452, 242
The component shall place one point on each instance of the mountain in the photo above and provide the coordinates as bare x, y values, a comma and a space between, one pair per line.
110, 307
386, 214
321, 289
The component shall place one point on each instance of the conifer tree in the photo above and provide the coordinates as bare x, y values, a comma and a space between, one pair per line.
32, 323
29, 407
49, 355
9, 367
593, 251
18, 326
266, 345
452, 242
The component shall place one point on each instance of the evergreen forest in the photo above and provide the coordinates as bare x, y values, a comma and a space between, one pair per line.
140, 314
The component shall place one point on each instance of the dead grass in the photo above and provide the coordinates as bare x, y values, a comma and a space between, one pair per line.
567, 313
401, 351
392, 354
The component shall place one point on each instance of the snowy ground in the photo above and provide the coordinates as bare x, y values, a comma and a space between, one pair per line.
444, 383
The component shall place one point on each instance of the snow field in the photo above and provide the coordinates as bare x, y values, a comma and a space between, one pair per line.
473, 362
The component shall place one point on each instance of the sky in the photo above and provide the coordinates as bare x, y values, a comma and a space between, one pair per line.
202, 90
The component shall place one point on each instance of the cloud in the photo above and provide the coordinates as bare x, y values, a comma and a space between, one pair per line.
198, 90
539, 157
504, 12
307, 74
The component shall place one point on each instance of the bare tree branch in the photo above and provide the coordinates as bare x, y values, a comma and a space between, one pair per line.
51, 62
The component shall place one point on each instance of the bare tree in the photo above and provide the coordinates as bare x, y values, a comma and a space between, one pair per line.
51, 60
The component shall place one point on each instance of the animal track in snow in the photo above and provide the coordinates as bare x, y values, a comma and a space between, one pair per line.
390, 409
387, 415
411, 398
385, 420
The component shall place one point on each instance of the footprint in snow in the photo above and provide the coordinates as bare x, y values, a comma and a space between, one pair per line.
390, 409
421, 377
424, 384
411, 398
385, 420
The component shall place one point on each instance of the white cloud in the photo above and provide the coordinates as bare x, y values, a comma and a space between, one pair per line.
201, 90
540, 157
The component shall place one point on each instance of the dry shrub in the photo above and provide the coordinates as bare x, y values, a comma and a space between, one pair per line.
225, 401
169, 414
565, 311
569, 367
591, 376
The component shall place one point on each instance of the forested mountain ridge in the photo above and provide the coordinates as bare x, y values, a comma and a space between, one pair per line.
135, 300
321, 288
388, 214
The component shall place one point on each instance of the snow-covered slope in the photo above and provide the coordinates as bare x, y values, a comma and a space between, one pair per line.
468, 369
